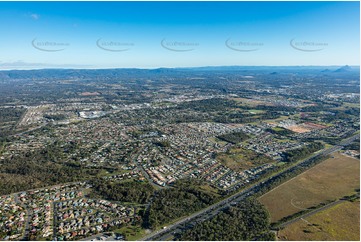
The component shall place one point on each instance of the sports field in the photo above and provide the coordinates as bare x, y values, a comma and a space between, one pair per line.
329, 180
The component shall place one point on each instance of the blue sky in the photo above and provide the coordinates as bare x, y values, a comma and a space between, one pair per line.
178, 34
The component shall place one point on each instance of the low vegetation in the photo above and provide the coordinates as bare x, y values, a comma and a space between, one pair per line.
239, 159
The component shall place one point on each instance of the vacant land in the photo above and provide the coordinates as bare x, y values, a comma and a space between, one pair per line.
340, 222
250, 102
298, 129
332, 179
132, 232
256, 111
305, 127
239, 159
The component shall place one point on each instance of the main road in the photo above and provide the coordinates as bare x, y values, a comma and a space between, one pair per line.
190, 221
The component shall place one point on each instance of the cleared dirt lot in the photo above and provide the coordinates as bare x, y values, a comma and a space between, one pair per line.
332, 179
298, 129
340, 222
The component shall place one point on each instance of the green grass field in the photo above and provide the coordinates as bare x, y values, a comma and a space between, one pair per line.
131, 232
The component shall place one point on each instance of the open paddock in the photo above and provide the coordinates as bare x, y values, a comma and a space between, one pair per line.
329, 180
340, 222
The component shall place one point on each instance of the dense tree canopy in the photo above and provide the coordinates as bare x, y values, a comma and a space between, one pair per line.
184, 199
234, 138
133, 191
300, 153
247, 220
41, 167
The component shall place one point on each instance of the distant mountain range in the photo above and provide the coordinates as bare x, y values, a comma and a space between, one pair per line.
345, 68
135, 72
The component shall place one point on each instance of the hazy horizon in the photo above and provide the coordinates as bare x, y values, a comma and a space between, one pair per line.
186, 67
103, 35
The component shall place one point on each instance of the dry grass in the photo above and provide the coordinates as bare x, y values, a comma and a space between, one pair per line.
340, 222
332, 179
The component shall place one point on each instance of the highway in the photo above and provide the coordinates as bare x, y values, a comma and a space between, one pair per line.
190, 221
